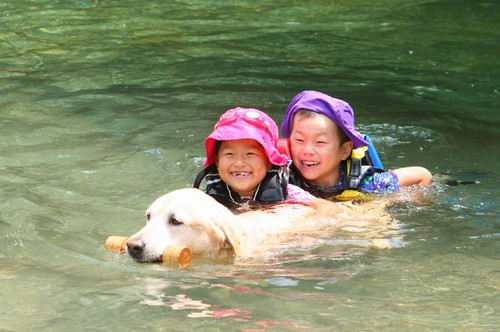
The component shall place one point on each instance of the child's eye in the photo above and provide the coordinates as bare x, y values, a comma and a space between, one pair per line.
299, 140
320, 142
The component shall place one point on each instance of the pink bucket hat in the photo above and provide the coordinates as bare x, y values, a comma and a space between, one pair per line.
246, 123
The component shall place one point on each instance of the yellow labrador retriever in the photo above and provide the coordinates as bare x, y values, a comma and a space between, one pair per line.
189, 217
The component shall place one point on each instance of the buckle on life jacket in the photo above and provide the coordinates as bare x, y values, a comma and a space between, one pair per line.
361, 161
355, 170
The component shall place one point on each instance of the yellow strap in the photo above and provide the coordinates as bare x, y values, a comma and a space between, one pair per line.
359, 152
349, 194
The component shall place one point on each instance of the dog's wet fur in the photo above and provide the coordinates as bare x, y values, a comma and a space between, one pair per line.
190, 217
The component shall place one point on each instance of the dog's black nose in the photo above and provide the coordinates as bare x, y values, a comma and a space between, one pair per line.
135, 247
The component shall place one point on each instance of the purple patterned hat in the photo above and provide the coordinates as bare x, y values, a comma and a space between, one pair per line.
338, 110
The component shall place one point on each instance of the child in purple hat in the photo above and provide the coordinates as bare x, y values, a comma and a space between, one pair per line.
243, 166
322, 137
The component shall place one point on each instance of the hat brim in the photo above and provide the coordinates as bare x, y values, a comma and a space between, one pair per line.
237, 132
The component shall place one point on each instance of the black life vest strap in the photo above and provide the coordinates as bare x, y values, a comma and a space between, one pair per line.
272, 189
356, 172
202, 174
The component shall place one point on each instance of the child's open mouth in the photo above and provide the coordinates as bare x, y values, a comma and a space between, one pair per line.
310, 163
240, 173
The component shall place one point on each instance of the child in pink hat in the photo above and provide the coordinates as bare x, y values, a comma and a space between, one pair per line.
322, 137
243, 166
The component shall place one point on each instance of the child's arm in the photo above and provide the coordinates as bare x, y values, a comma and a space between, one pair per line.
413, 175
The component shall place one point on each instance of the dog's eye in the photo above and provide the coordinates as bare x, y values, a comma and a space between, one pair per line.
174, 221
148, 216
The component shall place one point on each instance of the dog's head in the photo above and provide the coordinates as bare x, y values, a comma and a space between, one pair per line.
184, 217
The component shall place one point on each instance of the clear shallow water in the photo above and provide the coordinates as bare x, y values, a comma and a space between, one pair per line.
104, 107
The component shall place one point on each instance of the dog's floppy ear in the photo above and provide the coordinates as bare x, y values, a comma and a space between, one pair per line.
222, 218
233, 234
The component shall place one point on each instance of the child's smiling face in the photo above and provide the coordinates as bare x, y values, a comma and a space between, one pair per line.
317, 150
242, 164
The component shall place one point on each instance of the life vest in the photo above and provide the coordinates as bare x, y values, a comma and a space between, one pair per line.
361, 161
271, 190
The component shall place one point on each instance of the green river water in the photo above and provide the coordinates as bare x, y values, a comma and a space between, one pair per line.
104, 106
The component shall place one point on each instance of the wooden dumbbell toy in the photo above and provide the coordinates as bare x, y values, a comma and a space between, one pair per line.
175, 255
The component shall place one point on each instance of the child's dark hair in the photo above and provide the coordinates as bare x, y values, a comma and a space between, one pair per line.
217, 148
